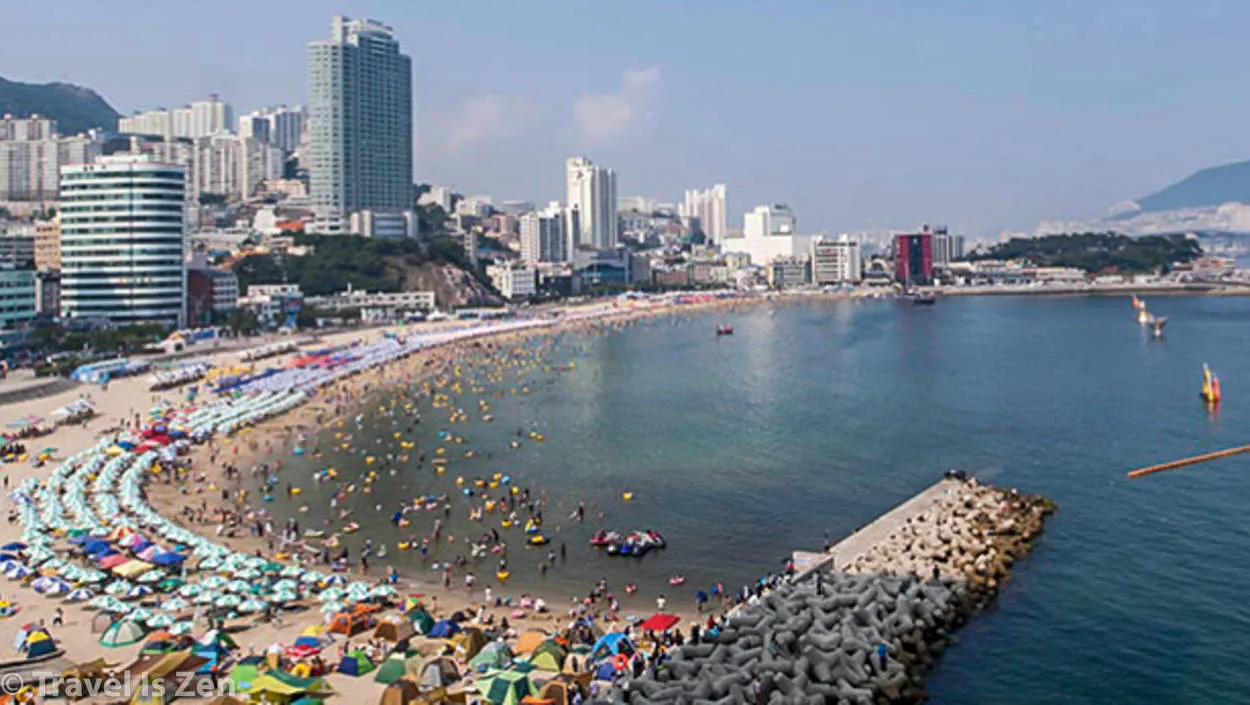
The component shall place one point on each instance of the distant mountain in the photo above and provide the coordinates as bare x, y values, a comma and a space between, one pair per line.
75, 109
1209, 187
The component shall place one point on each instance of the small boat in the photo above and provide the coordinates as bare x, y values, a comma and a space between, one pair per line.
677, 580
724, 329
1157, 324
1210, 386
919, 299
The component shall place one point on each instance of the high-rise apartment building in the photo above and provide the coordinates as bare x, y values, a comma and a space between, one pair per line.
199, 119
947, 247
232, 167
543, 236
359, 123
913, 257
280, 126
32, 153
48, 244
592, 202
708, 208
123, 240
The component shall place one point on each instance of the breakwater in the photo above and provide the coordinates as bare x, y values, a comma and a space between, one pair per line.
866, 630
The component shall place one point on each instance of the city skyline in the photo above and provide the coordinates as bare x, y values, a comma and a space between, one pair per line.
981, 119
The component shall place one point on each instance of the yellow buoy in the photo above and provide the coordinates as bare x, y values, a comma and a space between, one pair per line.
627, 496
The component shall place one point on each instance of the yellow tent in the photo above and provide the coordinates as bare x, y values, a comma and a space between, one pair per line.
529, 641
313, 630
131, 569
266, 685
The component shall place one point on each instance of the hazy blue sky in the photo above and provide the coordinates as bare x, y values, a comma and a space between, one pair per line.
860, 114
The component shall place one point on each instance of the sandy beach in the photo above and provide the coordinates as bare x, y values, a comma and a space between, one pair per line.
127, 398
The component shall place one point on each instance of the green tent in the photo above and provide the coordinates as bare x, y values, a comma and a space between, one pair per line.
312, 684
355, 664
506, 688
122, 633
421, 620
495, 655
392, 669
548, 656
242, 676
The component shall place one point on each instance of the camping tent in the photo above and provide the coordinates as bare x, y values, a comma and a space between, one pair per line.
348, 623
400, 693
494, 655
549, 656
436, 672
506, 688
355, 664
245, 673
443, 630
121, 634
280, 687
39, 643
392, 669
610, 645
421, 621
394, 629
560, 690
530, 641
469, 641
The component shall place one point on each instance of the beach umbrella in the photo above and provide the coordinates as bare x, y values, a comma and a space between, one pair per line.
331, 595
140, 614
383, 591
151, 576
252, 606
313, 577
169, 584
9, 564
332, 607
286, 585
120, 587
181, 628
228, 601
357, 592
175, 604
284, 596
206, 598
159, 621
248, 574
19, 572
239, 586
336, 580
291, 571
13, 546
190, 590
79, 595
90, 575
123, 633
213, 582
138, 591
210, 563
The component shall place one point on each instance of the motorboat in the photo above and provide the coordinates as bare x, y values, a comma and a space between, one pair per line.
724, 329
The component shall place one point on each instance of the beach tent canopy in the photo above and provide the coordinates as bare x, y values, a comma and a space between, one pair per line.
392, 669
39, 643
130, 569
443, 630
395, 629
355, 664
506, 688
610, 645
495, 655
469, 641
421, 621
349, 623
400, 693
659, 622
549, 656
244, 674
605, 672
121, 634
560, 690
436, 672
530, 641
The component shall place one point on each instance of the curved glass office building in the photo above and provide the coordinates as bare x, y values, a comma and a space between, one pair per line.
123, 235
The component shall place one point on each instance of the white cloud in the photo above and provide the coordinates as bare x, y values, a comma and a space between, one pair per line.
488, 117
604, 116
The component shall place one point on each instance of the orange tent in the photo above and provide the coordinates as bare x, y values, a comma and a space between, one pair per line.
529, 641
349, 623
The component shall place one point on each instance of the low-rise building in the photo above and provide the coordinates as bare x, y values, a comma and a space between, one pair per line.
514, 281
211, 293
601, 268
17, 244
709, 273
355, 299
789, 272
671, 275
836, 261
48, 244
390, 226
48, 292
17, 294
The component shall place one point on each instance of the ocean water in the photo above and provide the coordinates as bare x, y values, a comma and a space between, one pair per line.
815, 417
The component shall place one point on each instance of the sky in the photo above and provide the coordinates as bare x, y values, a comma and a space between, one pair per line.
859, 114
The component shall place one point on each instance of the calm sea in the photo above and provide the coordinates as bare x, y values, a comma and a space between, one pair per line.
813, 418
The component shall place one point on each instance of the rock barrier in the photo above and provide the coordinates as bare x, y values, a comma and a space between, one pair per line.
863, 633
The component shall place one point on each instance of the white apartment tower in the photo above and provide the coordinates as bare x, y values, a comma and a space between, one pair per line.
280, 126
123, 240
708, 207
543, 236
592, 202
199, 119
359, 123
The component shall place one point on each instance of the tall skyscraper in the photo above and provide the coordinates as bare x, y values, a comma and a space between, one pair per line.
280, 126
592, 202
199, 119
359, 123
708, 207
123, 240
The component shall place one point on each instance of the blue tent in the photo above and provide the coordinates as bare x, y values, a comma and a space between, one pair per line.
308, 641
605, 672
167, 558
444, 629
610, 645
96, 547
13, 546
214, 652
